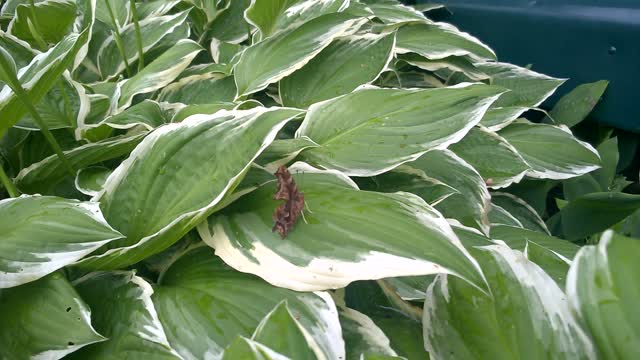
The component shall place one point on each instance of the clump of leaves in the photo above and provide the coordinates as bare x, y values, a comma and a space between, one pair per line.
139, 142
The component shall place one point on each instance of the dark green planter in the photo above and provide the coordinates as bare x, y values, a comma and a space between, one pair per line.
584, 40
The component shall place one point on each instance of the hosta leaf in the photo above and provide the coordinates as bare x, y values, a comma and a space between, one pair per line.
120, 9
370, 236
147, 113
281, 152
527, 317
471, 202
492, 156
550, 253
38, 77
595, 212
229, 24
438, 41
50, 319
528, 90
453, 63
42, 234
602, 288
44, 174
345, 64
20, 51
362, 335
280, 331
203, 305
273, 16
152, 31
64, 106
155, 8
278, 56
53, 20
409, 179
500, 216
189, 110
395, 13
523, 212
90, 181
124, 313
160, 72
576, 105
175, 177
200, 89
371, 131
551, 151
247, 349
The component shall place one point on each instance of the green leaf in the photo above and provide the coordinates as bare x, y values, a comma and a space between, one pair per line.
203, 305
124, 313
453, 63
273, 16
551, 151
53, 20
49, 318
281, 152
574, 107
38, 77
371, 131
64, 106
152, 30
370, 236
409, 179
521, 210
528, 90
492, 156
19, 51
438, 41
8, 59
229, 24
200, 89
175, 178
395, 13
148, 114
470, 203
42, 234
345, 64
550, 253
281, 332
603, 290
158, 73
500, 216
528, 316
154, 8
121, 12
362, 335
247, 349
189, 110
596, 212
43, 175
280, 55
90, 180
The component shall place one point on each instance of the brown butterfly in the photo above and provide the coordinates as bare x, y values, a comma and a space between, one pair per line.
286, 215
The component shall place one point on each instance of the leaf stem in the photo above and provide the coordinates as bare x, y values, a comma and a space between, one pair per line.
8, 184
134, 12
117, 38
15, 85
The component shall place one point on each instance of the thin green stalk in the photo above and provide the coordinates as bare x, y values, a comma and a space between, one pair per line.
136, 25
117, 38
8, 184
15, 85
33, 26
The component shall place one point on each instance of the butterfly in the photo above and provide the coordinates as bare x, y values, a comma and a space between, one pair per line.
286, 215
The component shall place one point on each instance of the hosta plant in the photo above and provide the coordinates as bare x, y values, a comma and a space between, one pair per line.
141, 218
